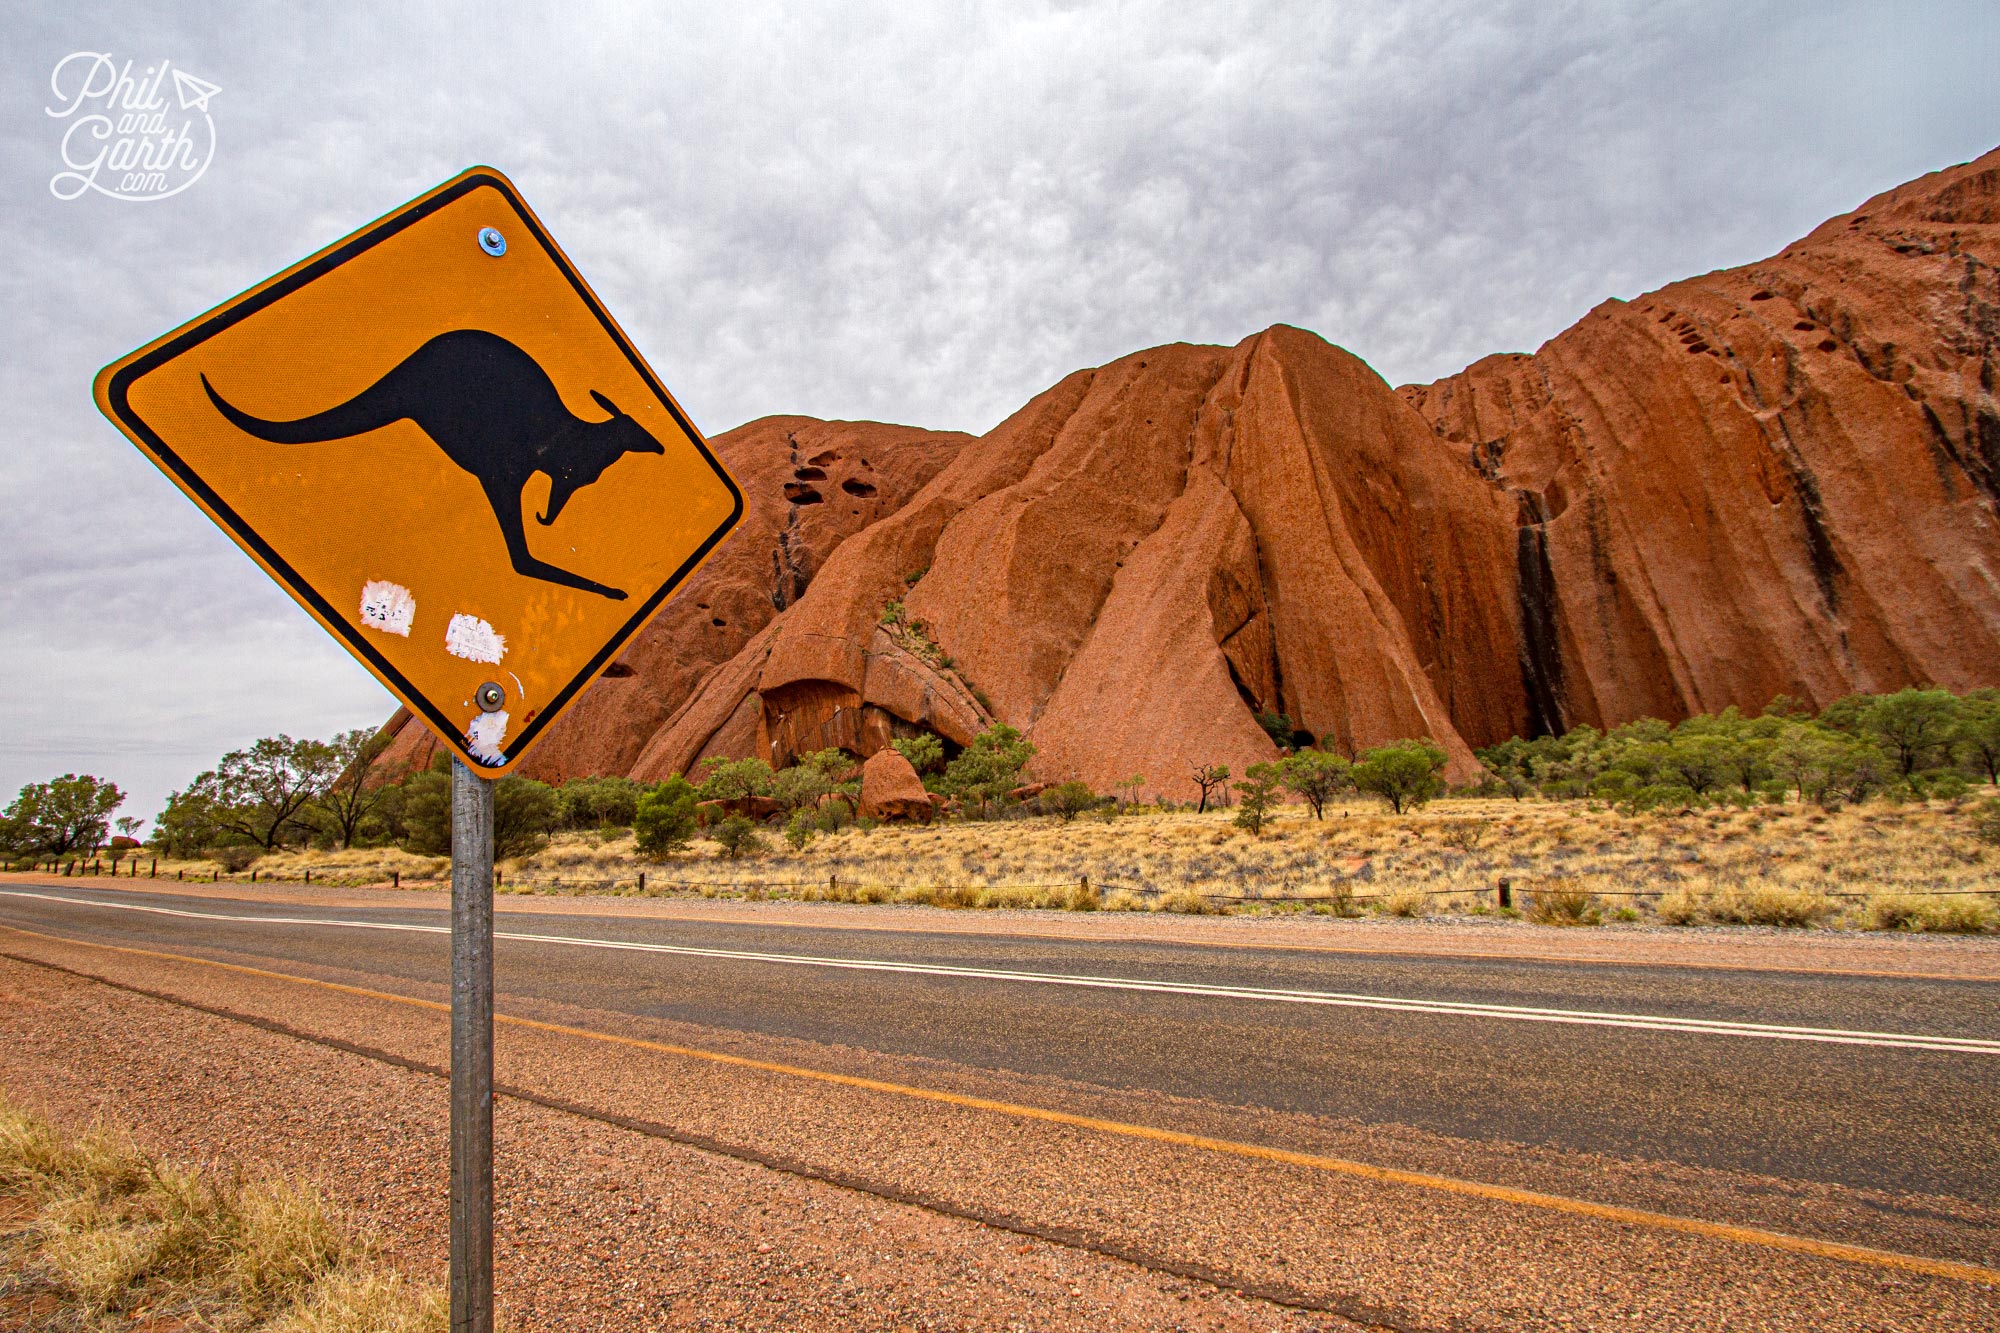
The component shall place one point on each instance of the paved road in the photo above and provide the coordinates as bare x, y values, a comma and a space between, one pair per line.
1812, 1078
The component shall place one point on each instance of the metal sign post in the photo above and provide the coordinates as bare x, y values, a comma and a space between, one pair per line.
471, 1050
491, 385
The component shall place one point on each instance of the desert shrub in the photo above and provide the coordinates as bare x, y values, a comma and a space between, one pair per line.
1680, 907
1953, 914
118, 1235
800, 829
833, 815
1016, 896
952, 894
925, 752
663, 821
1339, 901
1124, 900
524, 812
1563, 902
236, 859
1768, 905
1948, 787
1189, 902
988, 768
584, 803
737, 837
1067, 800
1404, 902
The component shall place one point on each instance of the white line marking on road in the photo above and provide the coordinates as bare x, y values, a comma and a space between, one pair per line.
1464, 1009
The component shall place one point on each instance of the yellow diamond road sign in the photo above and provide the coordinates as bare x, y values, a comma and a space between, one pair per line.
434, 436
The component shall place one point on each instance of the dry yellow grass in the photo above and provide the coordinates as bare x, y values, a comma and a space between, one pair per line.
1773, 865
1791, 865
115, 1237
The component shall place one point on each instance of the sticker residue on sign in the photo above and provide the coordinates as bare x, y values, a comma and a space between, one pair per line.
484, 736
387, 606
473, 639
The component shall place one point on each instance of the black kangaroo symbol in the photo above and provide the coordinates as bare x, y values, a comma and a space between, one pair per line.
496, 414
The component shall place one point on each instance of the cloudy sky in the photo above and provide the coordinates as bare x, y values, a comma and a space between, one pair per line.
919, 213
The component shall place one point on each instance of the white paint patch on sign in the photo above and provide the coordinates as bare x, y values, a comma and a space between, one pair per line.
387, 606
473, 639
484, 736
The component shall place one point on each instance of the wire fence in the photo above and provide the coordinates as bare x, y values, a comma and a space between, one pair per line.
1502, 892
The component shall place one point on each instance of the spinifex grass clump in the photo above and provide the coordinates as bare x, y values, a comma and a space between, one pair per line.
1563, 902
116, 1236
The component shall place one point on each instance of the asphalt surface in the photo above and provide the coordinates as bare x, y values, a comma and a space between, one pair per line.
1834, 1110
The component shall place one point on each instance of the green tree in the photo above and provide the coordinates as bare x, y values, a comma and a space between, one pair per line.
990, 767
1511, 765
426, 810
350, 797
1256, 794
1208, 777
599, 803
1700, 762
1914, 727
71, 813
801, 786
524, 812
1317, 777
664, 821
1067, 800
262, 794
1978, 735
735, 779
1406, 774
188, 825
925, 752
800, 829
1800, 752
738, 837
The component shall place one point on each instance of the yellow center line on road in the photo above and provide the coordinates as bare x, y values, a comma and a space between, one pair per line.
1557, 1203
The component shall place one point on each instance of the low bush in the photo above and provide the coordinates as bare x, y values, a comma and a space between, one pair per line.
737, 837
117, 1235
1766, 905
1757, 905
1563, 902
1406, 902
1955, 914
1189, 902
236, 860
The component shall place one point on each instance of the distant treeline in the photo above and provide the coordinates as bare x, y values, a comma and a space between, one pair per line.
1913, 744
286, 793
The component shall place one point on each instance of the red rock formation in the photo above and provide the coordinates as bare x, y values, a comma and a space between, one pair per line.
1773, 479
807, 486
1779, 478
891, 789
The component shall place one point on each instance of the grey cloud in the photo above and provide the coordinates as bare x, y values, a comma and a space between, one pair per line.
912, 213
